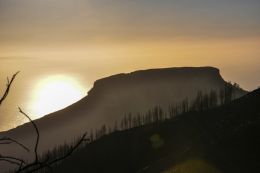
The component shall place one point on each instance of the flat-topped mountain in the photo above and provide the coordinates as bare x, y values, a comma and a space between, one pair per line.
136, 92
113, 97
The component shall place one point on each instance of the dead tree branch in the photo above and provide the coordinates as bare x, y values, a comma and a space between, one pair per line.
12, 160
7, 140
30, 168
38, 134
8, 87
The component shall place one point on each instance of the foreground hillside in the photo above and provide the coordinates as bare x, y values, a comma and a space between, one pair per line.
222, 139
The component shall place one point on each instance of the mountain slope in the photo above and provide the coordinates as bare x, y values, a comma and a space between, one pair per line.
223, 139
111, 98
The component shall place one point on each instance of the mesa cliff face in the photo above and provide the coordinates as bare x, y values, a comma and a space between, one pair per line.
113, 97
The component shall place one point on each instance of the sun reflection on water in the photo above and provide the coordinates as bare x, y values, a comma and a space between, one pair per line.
55, 92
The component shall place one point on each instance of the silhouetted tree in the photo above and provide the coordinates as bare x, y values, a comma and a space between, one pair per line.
185, 106
222, 96
198, 102
91, 136
228, 92
115, 127
236, 85
110, 130
129, 119
171, 111
139, 120
103, 130
205, 102
213, 99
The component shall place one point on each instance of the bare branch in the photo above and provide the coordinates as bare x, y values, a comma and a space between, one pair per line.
38, 134
12, 158
8, 86
40, 165
7, 140
10, 161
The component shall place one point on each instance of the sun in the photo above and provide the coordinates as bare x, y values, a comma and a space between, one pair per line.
54, 93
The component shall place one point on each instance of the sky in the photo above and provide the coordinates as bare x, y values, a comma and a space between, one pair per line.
112, 36
72, 43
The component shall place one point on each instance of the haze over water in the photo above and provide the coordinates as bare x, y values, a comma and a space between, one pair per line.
69, 44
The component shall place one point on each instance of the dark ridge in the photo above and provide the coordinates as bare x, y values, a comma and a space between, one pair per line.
225, 138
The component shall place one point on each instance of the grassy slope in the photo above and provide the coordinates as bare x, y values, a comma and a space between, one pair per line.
223, 139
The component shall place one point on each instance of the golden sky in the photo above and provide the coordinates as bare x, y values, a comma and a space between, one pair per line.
103, 37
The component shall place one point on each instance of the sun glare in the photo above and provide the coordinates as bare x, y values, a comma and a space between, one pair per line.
54, 93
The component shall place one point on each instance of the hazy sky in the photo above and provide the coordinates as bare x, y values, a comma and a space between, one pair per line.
42, 21
111, 36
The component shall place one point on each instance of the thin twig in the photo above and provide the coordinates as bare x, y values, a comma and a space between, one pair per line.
12, 158
37, 166
38, 134
10, 161
7, 140
8, 86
